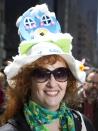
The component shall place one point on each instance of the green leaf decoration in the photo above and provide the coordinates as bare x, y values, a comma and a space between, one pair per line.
24, 48
64, 44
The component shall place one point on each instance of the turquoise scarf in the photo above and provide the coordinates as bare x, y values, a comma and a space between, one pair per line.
38, 116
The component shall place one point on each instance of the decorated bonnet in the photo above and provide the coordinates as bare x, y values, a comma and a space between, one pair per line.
42, 40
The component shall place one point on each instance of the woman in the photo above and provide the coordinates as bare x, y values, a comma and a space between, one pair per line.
42, 83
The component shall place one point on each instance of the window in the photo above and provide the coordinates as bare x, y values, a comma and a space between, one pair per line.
29, 23
46, 20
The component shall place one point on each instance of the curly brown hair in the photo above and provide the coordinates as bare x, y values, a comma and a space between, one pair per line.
20, 92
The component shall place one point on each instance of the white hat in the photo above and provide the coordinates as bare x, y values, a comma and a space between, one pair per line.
30, 51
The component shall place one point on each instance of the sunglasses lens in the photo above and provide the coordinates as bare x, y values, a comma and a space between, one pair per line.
40, 75
61, 74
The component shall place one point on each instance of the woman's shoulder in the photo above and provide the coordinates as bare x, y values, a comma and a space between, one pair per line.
7, 127
17, 123
82, 122
89, 125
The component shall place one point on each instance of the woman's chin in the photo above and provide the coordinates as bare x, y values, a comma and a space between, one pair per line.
52, 104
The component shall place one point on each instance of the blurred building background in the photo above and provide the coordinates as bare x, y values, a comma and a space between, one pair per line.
2, 31
78, 17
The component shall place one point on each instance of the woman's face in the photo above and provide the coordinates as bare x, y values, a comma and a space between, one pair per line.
50, 93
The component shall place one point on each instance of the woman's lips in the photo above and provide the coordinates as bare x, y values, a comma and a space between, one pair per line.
51, 93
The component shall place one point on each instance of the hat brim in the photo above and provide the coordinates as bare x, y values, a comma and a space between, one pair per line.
44, 49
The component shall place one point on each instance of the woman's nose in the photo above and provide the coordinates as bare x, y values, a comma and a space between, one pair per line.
52, 81
95, 84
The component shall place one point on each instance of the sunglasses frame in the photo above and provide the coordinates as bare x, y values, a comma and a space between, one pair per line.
46, 73
92, 82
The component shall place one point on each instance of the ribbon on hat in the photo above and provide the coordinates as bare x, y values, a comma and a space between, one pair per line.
64, 41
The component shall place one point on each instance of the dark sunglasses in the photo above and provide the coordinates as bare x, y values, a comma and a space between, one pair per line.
42, 74
92, 82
